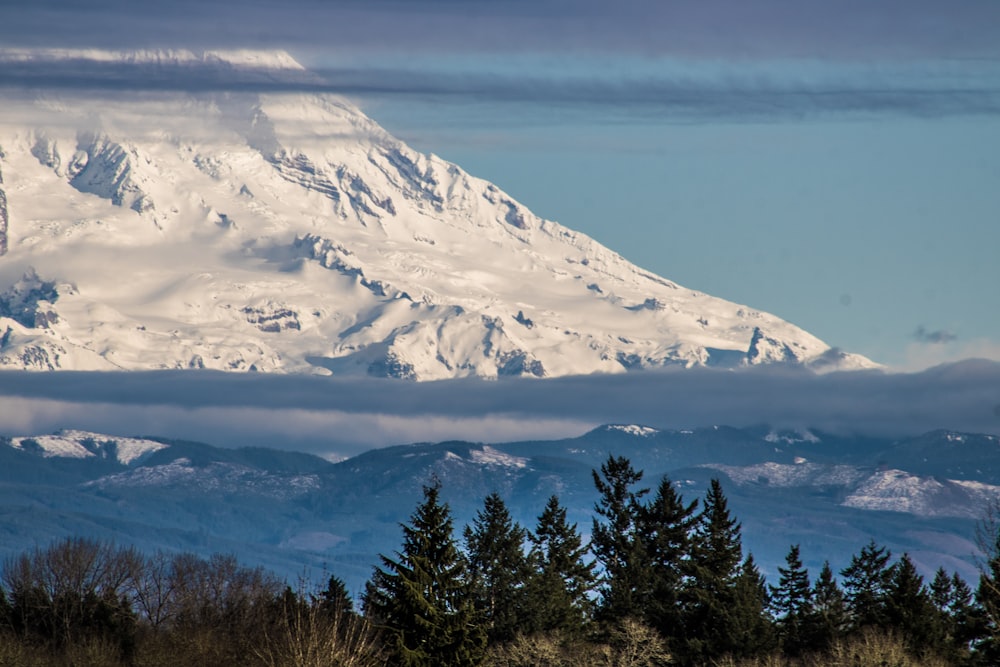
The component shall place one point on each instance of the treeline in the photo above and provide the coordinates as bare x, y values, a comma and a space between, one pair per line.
662, 581
81, 602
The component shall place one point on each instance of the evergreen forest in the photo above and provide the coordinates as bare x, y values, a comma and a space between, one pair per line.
661, 581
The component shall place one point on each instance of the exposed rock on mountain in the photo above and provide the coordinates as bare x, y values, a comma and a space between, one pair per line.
290, 233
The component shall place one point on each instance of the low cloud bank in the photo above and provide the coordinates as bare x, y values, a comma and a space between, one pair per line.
338, 418
689, 92
711, 28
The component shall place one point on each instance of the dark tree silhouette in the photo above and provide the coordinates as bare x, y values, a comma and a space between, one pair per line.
421, 597
561, 580
710, 600
665, 528
866, 583
617, 543
498, 569
792, 603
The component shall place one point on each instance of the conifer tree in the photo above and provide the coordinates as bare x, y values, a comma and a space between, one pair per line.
560, 584
909, 609
498, 568
866, 583
334, 600
617, 542
952, 601
791, 602
421, 597
666, 525
717, 554
828, 620
751, 630
941, 590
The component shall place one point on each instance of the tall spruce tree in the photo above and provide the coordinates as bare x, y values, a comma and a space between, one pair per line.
617, 543
828, 620
866, 584
751, 629
791, 602
561, 581
715, 567
421, 597
334, 601
665, 528
909, 610
498, 569
952, 601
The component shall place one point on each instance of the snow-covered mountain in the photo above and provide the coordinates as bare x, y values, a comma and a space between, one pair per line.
287, 232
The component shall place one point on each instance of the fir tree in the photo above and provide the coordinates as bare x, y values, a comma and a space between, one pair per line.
962, 617
909, 609
560, 584
717, 554
951, 599
866, 583
750, 628
421, 597
666, 524
498, 568
334, 601
616, 540
791, 602
940, 591
828, 619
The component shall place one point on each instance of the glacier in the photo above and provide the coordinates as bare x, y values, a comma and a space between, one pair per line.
286, 232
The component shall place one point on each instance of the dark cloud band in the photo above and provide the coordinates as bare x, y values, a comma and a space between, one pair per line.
710, 28
692, 96
961, 396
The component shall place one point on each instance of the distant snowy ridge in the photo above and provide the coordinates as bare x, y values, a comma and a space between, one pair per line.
290, 233
883, 491
633, 429
215, 477
83, 445
899, 491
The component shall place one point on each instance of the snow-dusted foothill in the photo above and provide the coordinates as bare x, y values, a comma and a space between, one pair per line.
289, 233
84, 445
830, 492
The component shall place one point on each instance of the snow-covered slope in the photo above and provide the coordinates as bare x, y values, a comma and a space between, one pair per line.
84, 445
290, 233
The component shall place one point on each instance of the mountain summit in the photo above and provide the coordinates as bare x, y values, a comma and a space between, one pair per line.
287, 232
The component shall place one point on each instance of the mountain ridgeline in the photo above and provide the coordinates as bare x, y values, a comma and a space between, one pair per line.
660, 579
288, 511
289, 233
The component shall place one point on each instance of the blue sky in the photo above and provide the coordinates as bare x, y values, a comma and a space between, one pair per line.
837, 164
863, 230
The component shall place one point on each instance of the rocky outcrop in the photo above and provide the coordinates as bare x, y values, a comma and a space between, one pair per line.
767, 350
104, 168
29, 302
